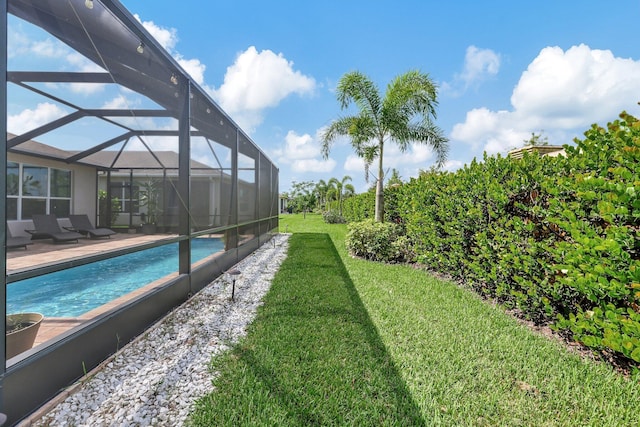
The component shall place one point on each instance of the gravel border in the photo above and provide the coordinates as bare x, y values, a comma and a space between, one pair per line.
156, 379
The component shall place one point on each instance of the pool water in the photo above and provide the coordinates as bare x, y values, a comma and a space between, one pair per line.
72, 292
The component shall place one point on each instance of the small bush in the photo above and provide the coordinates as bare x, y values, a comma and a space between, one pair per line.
377, 241
331, 217
404, 249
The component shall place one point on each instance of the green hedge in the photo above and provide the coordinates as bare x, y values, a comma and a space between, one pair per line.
362, 206
555, 238
359, 207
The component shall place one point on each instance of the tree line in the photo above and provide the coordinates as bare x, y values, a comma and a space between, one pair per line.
322, 196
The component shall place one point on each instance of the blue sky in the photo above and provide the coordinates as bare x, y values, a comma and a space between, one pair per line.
504, 69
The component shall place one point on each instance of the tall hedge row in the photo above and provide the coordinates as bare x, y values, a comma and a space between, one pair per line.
556, 238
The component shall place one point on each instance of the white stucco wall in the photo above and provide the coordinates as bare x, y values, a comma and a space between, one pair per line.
83, 190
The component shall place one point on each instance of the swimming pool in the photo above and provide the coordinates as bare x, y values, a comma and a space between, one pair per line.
72, 292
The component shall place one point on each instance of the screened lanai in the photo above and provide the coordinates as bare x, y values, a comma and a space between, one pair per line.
100, 120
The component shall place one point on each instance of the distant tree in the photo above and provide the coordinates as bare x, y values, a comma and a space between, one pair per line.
395, 178
536, 139
321, 190
404, 115
340, 187
303, 197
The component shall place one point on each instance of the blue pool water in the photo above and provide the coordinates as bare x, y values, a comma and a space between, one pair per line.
72, 292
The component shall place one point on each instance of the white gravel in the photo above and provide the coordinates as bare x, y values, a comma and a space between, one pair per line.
157, 378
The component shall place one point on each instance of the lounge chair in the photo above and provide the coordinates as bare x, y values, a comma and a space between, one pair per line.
17, 242
82, 225
46, 226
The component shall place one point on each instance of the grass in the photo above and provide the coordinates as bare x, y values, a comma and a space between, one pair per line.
341, 341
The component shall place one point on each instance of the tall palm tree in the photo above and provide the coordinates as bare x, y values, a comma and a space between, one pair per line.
321, 190
341, 187
404, 115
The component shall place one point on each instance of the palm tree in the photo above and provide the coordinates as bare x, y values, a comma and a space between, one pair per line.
403, 116
340, 188
321, 190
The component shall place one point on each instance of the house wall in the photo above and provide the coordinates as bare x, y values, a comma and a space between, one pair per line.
83, 190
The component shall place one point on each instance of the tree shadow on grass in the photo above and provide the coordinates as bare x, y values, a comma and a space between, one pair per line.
312, 356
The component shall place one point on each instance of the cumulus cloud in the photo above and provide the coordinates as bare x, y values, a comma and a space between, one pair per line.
418, 155
479, 64
452, 165
257, 81
313, 165
354, 163
29, 119
48, 48
302, 154
51, 50
193, 67
300, 146
167, 37
560, 92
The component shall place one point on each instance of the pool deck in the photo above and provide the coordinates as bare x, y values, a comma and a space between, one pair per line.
43, 252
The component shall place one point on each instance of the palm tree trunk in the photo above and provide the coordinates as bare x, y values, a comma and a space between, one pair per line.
379, 187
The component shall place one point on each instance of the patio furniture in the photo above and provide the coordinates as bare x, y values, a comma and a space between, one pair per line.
46, 226
82, 225
17, 242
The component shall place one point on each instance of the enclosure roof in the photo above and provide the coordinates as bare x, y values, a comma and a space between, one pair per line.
139, 160
108, 159
105, 32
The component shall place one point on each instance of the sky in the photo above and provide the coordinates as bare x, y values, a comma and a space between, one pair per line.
504, 70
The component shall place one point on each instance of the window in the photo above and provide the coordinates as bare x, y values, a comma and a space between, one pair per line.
127, 196
60, 193
37, 190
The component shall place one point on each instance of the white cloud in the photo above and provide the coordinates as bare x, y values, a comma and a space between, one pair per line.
17, 41
313, 165
452, 165
194, 67
82, 64
479, 64
48, 48
559, 92
302, 154
257, 81
416, 155
354, 163
167, 37
300, 146
119, 102
29, 119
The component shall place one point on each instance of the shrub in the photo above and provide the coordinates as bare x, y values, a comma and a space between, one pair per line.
403, 249
362, 206
378, 241
359, 207
332, 217
556, 238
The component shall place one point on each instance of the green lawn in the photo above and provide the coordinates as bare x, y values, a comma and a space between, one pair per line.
341, 341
